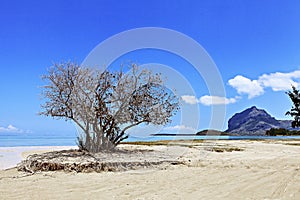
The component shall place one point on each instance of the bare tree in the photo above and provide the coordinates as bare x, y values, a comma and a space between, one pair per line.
106, 104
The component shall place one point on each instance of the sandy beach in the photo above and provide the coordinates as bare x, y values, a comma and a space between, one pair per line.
259, 170
11, 156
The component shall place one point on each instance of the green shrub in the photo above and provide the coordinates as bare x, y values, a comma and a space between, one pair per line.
281, 131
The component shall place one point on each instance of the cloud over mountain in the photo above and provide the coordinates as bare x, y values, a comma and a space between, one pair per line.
244, 85
277, 81
280, 81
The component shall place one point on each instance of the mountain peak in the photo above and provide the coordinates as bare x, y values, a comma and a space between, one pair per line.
253, 108
253, 121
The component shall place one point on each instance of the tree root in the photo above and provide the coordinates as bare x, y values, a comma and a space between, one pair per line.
79, 161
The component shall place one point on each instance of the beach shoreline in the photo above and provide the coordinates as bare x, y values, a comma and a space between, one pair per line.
11, 156
259, 170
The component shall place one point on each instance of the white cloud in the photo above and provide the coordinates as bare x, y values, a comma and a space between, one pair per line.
189, 99
280, 81
277, 81
244, 85
216, 100
208, 100
12, 129
180, 128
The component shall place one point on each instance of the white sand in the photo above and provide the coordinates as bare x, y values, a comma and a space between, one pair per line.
262, 171
11, 156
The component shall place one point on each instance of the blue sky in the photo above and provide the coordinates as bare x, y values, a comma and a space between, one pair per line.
254, 44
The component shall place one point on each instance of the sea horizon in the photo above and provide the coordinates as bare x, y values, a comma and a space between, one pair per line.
15, 140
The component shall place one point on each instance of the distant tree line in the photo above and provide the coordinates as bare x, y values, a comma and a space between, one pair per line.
294, 112
281, 131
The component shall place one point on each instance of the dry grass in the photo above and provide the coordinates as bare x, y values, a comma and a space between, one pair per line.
293, 144
224, 149
165, 142
187, 143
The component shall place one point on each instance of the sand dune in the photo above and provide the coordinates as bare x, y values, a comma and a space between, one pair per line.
263, 170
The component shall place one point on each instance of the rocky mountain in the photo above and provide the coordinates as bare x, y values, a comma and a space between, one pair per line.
254, 121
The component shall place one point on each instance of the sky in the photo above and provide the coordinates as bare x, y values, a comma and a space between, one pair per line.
255, 46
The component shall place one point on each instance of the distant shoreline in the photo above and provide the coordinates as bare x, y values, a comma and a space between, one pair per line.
224, 137
172, 134
206, 132
165, 136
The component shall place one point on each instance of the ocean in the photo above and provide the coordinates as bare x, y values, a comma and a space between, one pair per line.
17, 139
13, 140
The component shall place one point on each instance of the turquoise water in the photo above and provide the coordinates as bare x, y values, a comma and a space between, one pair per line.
200, 137
11, 140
